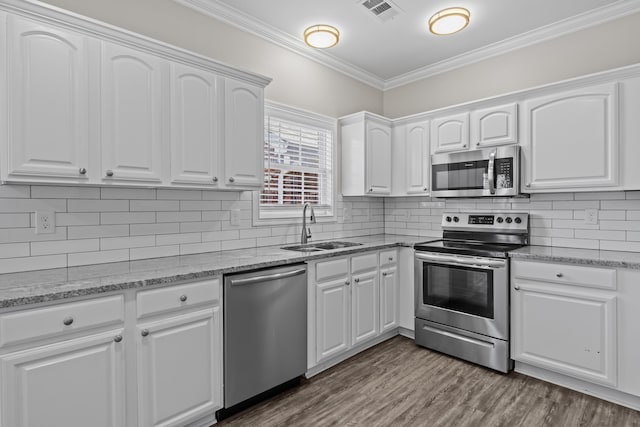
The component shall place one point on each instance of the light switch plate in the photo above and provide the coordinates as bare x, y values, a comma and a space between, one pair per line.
235, 217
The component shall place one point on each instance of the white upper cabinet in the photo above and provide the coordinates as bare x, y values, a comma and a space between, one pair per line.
450, 133
194, 126
494, 126
47, 135
571, 139
417, 158
244, 135
132, 116
366, 155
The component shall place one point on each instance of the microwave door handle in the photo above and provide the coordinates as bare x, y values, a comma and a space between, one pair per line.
491, 172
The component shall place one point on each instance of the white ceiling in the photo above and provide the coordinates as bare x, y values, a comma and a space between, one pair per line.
387, 54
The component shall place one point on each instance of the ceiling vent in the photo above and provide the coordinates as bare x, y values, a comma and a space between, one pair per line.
384, 10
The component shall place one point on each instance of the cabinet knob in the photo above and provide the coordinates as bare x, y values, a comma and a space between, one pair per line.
83, 171
232, 179
67, 321
356, 280
370, 190
528, 184
144, 332
117, 338
478, 143
347, 283
183, 298
464, 145
390, 258
384, 273
215, 179
109, 173
424, 189
516, 287
559, 275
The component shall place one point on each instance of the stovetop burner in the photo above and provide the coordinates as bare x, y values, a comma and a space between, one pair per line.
491, 234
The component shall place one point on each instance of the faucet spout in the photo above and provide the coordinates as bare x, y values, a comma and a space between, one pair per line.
306, 232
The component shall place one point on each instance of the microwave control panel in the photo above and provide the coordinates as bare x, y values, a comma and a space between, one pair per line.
504, 173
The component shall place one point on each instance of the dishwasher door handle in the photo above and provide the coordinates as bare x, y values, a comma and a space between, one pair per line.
268, 277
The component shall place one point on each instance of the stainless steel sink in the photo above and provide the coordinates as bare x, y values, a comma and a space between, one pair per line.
321, 246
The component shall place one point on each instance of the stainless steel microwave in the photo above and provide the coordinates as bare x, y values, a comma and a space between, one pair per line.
487, 172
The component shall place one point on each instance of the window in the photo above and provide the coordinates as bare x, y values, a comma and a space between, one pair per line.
298, 163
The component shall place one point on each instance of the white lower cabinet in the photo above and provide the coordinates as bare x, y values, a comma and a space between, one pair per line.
87, 363
349, 304
179, 363
564, 319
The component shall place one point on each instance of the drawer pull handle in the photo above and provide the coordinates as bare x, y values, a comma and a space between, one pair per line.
117, 338
83, 171
183, 298
516, 287
67, 321
144, 332
559, 275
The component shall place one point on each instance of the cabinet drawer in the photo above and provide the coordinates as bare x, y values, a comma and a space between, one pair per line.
364, 262
46, 322
388, 257
177, 297
594, 277
326, 270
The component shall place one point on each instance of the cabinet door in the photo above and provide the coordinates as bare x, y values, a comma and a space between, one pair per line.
378, 154
194, 126
450, 133
495, 126
74, 383
364, 307
48, 101
567, 331
244, 135
332, 318
417, 158
388, 298
571, 139
132, 116
179, 368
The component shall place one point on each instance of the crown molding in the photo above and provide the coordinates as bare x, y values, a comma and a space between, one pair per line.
248, 23
548, 32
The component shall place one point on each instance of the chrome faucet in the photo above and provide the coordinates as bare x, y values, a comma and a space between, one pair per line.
306, 232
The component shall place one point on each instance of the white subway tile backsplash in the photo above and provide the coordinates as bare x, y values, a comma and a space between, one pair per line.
32, 205
195, 248
15, 191
98, 206
13, 265
14, 220
261, 232
222, 195
620, 246
620, 225
202, 205
127, 217
601, 195
575, 243
217, 215
90, 231
188, 216
154, 205
176, 239
127, 193
64, 246
16, 235
164, 194
14, 250
220, 235
585, 204
154, 252
192, 227
108, 243
146, 229
621, 204
51, 192
101, 257
76, 218
227, 245
600, 234
633, 215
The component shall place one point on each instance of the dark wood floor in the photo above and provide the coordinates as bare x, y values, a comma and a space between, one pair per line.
399, 384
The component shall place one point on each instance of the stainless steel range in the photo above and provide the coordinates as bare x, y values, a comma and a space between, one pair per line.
462, 286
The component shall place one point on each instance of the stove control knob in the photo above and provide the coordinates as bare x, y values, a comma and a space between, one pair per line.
500, 220
448, 219
518, 220
508, 220
456, 219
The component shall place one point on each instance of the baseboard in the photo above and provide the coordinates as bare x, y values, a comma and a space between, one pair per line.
323, 366
601, 392
208, 420
405, 332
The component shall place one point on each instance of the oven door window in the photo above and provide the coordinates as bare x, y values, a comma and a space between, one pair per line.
463, 289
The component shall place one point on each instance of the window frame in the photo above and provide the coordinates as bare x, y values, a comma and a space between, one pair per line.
264, 215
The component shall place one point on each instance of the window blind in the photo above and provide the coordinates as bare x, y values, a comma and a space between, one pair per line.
298, 163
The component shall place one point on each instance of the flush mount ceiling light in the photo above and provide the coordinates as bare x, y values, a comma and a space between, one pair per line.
321, 36
449, 21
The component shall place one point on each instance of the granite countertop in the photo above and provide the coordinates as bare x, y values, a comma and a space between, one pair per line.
579, 256
18, 289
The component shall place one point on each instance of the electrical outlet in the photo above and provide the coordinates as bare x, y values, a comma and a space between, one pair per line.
407, 215
346, 214
591, 216
367, 214
45, 222
235, 217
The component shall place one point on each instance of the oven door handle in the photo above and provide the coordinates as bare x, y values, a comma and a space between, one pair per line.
464, 262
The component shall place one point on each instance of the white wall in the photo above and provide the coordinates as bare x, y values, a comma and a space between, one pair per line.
297, 81
606, 46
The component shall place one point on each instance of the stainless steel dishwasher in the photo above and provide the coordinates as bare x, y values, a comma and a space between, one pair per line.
265, 333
